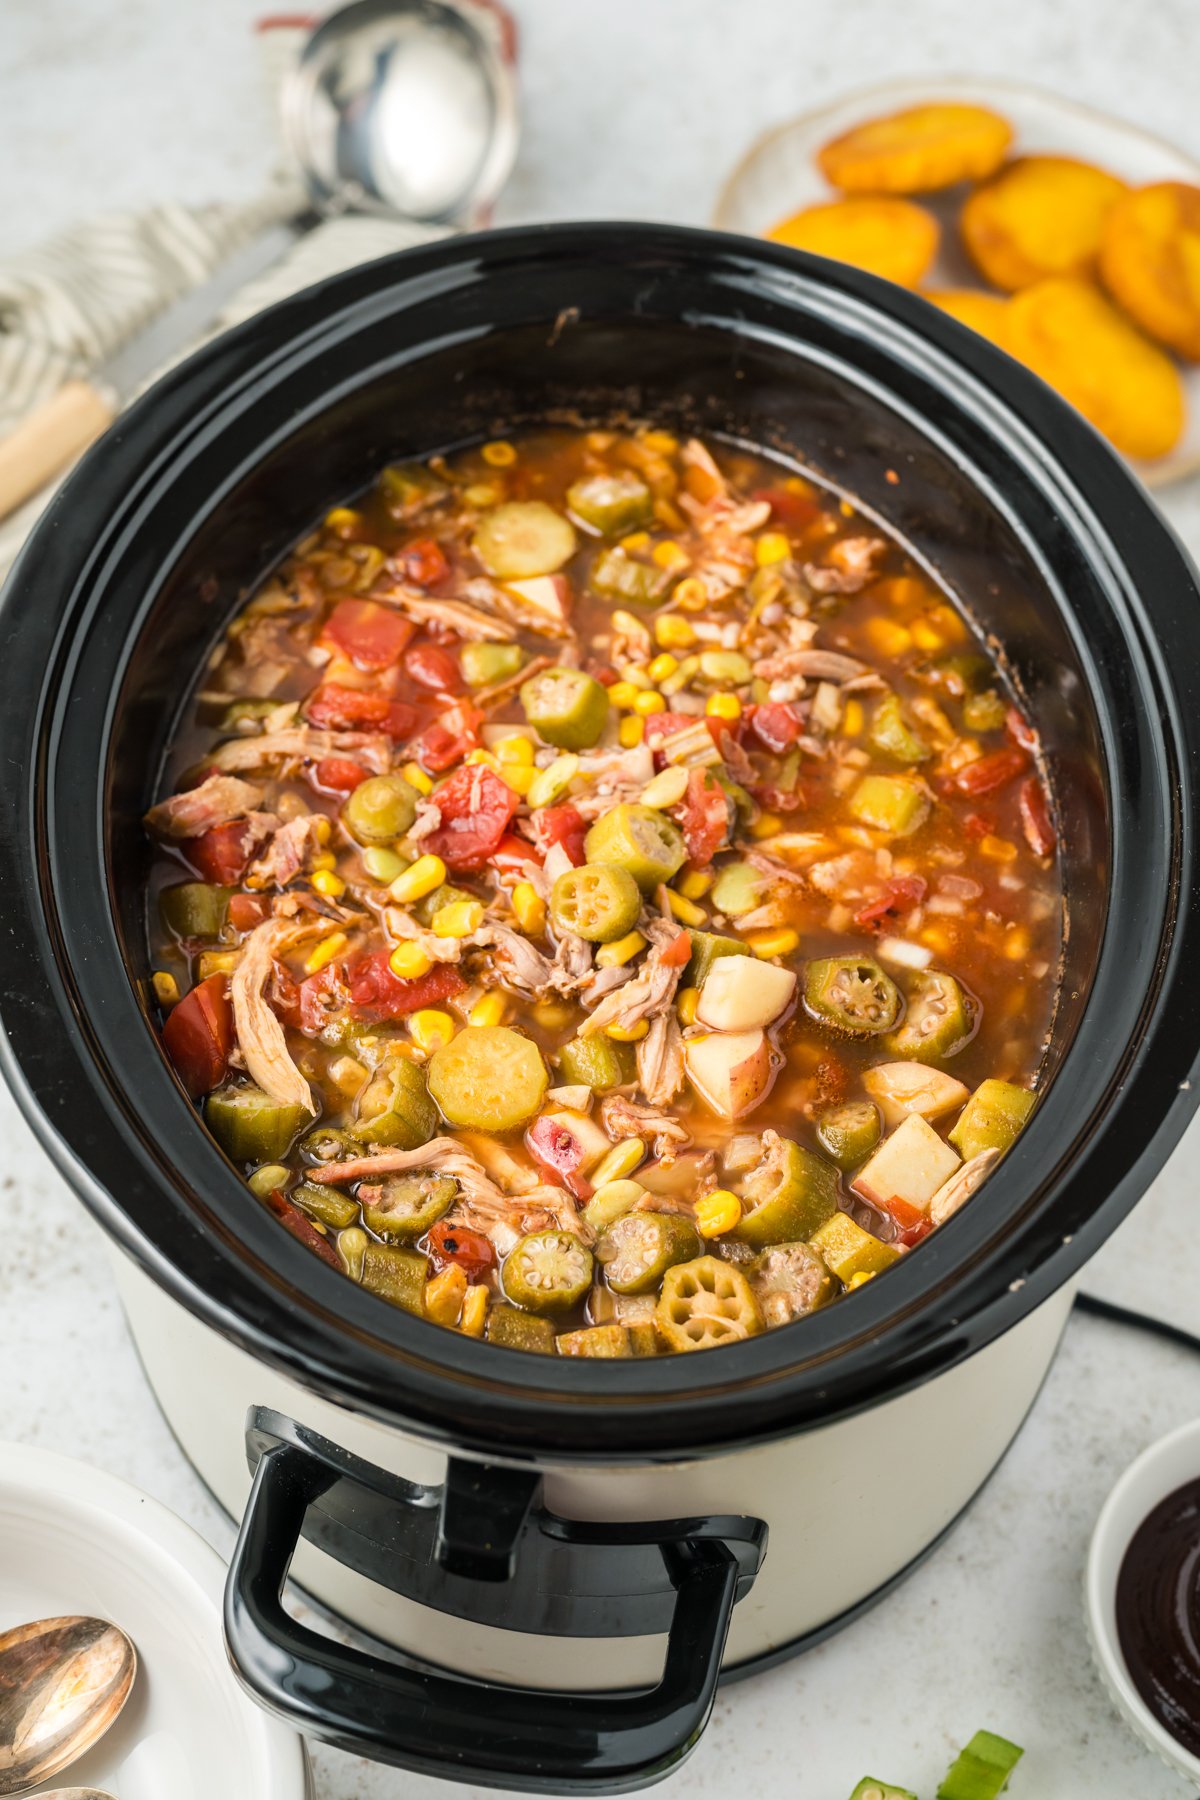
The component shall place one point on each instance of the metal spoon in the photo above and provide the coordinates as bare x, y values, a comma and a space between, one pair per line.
62, 1684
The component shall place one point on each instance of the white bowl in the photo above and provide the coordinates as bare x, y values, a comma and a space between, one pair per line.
75, 1540
1158, 1471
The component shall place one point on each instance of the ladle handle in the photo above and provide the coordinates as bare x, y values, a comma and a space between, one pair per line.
49, 438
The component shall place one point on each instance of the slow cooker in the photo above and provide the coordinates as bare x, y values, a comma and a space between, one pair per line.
550, 1563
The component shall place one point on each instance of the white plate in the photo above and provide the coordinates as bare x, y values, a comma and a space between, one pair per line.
75, 1540
778, 175
1158, 1471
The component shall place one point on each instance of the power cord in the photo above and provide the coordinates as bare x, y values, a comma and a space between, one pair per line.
1125, 1315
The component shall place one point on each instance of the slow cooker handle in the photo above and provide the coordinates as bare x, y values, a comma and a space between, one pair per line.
457, 1728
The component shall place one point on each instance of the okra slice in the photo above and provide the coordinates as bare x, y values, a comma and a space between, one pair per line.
395, 1108
597, 1062
547, 1271
566, 707
893, 804
707, 948
640, 840
488, 1078
789, 1281
405, 1207
600, 902
194, 909
940, 1018
327, 1144
396, 1275
519, 1330
705, 1303
849, 1133
991, 1119
523, 538
611, 504
981, 1771
638, 1248
484, 664
625, 581
851, 995
251, 1127
380, 809
328, 1204
870, 1789
849, 1250
891, 735
608, 1341
789, 1194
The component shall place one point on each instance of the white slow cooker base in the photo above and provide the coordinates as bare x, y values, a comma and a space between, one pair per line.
849, 1506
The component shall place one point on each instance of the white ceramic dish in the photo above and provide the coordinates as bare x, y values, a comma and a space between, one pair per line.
1157, 1472
75, 1540
778, 175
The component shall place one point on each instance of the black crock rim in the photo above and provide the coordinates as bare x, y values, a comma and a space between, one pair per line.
965, 1288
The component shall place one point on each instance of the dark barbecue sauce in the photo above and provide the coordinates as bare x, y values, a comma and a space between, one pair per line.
1158, 1613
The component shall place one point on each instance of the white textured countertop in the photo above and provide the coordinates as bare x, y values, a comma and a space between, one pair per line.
636, 108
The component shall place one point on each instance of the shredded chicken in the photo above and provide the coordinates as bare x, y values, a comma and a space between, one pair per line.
465, 621
660, 1060
631, 641
260, 1035
847, 567
481, 1203
217, 801
303, 744
527, 969
650, 991
817, 665
289, 852
500, 689
625, 1118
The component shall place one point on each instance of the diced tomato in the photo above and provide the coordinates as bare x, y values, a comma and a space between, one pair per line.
559, 1152
449, 738
912, 1223
512, 852
1020, 730
293, 1220
1035, 818
677, 953
796, 510
563, 824
430, 666
775, 725
704, 815
990, 772
223, 854
198, 1035
900, 895
246, 911
337, 708
376, 994
284, 994
978, 825
424, 563
666, 724
476, 808
371, 635
447, 1244
338, 774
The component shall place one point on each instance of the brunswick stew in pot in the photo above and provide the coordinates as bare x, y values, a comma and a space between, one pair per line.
607, 899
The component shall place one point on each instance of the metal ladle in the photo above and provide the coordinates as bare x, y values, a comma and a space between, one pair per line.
63, 1683
403, 109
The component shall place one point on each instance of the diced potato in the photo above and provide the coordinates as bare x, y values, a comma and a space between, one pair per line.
740, 993
730, 1071
911, 1165
901, 1088
593, 1142
546, 595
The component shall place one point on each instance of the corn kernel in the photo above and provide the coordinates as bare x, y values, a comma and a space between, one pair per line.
622, 695
458, 920
627, 1034
723, 706
322, 829
444, 1295
325, 951
344, 521
695, 883
686, 1002
474, 1311
500, 454
926, 638
717, 1213
554, 1015
490, 1010
852, 719
938, 940
430, 1028
382, 865
485, 759
767, 825
515, 749
779, 942
409, 962
618, 1162
771, 547
520, 777
887, 637
637, 540
998, 848
166, 988
664, 443
859, 1279
663, 665
529, 908
1016, 945
690, 593
946, 622
427, 873
621, 951
669, 555
649, 703
685, 910
217, 962
329, 884
416, 777
673, 633
324, 859
631, 731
